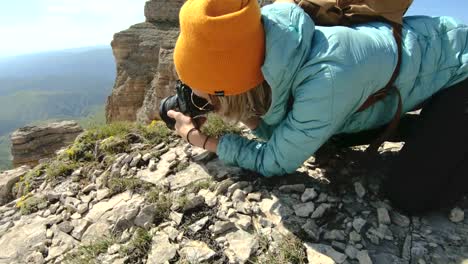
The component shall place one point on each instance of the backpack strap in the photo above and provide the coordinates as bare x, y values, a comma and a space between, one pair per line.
384, 92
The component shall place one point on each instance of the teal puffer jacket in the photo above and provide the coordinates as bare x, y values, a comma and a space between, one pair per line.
330, 72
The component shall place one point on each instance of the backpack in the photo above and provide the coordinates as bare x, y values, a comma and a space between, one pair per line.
351, 12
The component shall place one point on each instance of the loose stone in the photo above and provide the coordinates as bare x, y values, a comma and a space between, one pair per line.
360, 191
304, 210
457, 215
297, 188
308, 195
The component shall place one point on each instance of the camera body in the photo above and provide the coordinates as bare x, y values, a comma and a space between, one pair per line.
185, 102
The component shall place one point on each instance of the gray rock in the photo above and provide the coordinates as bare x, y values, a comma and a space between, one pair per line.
363, 257
351, 252
241, 246
146, 216
35, 258
18, 242
383, 216
239, 196
196, 252
400, 219
89, 188
257, 197
319, 253
61, 243
176, 217
243, 221
65, 227
354, 236
236, 186
210, 197
304, 210
358, 224
31, 144
340, 246
193, 203
320, 211
220, 227
244, 208
295, 188
82, 208
102, 194
7, 180
102, 207
152, 166
80, 226
146, 157
335, 235
311, 229
162, 251
308, 195
135, 160
457, 215
223, 186
194, 173
360, 190
197, 226
95, 231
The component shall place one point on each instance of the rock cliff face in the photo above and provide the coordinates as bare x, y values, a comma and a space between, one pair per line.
145, 69
33, 143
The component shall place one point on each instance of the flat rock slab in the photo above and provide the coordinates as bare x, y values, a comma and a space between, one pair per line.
195, 172
18, 242
7, 180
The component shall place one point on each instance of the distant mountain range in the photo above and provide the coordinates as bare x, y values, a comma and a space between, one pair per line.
68, 84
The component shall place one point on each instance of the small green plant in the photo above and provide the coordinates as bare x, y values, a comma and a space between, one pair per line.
119, 185
29, 204
139, 246
162, 202
181, 166
87, 254
60, 168
114, 145
215, 127
199, 185
156, 132
26, 182
290, 250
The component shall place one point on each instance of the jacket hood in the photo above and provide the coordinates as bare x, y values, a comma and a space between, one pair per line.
288, 39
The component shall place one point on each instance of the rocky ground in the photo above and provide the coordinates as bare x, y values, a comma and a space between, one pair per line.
172, 203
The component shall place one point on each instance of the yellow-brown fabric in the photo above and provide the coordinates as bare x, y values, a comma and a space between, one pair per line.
221, 46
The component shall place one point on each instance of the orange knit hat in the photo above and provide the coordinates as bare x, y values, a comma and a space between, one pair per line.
221, 46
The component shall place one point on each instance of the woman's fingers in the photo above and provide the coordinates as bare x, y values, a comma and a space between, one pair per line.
172, 114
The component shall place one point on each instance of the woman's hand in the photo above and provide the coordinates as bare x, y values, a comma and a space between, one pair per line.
184, 124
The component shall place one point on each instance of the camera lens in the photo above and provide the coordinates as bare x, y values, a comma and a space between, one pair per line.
168, 103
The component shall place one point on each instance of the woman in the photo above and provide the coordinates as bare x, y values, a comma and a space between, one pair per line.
296, 85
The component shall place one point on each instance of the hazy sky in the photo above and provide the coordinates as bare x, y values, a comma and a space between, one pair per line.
28, 26
38, 25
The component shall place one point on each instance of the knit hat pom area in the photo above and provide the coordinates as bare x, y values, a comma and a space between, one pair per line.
221, 46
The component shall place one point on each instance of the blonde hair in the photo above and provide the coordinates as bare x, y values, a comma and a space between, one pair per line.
253, 103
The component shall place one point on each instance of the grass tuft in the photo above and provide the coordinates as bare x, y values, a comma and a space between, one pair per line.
162, 202
138, 247
30, 204
290, 250
216, 127
87, 254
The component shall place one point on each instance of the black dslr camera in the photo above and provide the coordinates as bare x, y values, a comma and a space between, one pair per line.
186, 102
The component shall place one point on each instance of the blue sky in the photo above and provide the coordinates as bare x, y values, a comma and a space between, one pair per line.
28, 26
